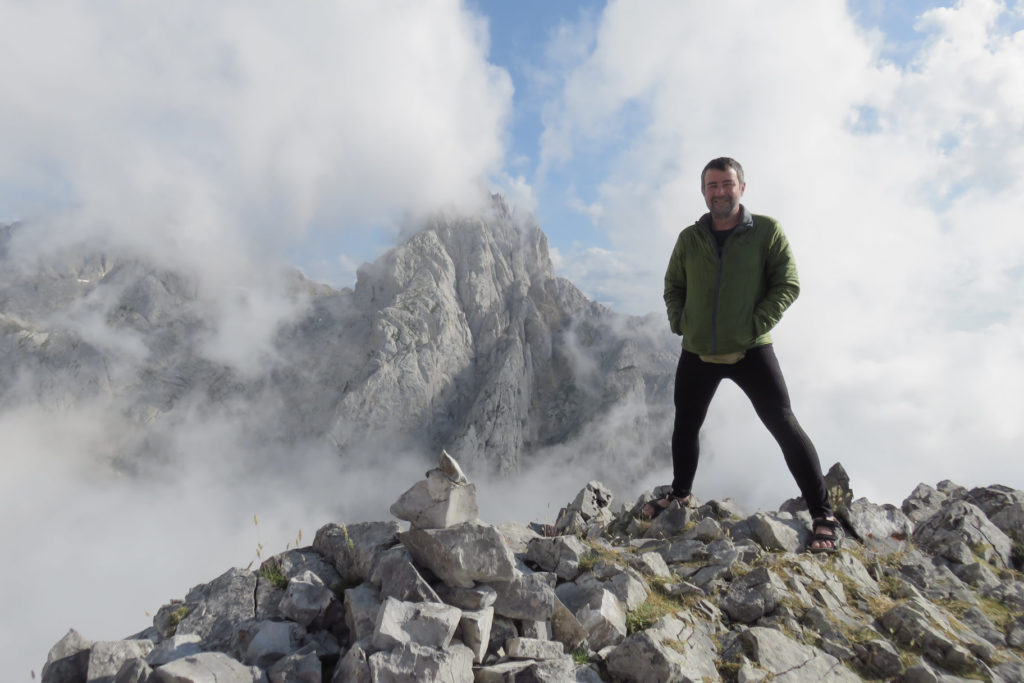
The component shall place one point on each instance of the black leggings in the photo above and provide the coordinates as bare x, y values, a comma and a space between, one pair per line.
760, 378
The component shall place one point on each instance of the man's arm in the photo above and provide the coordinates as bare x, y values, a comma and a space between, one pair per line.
675, 287
783, 283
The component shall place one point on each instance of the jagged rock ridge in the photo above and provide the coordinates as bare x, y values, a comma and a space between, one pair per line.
932, 591
461, 338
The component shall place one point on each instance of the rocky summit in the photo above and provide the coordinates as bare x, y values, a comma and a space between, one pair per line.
928, 592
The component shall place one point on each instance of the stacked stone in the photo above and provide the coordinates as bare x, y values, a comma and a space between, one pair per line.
454, 599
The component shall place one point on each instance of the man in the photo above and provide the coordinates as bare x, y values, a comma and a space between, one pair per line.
729, 280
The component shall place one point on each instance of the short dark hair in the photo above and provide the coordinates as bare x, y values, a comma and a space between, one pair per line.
722, 164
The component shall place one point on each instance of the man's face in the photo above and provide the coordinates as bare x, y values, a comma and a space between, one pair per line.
722, 192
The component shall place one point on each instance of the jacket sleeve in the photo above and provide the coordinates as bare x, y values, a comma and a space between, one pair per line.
675, 287
781, 281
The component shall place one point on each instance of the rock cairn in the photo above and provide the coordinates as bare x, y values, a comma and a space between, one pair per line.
928, 592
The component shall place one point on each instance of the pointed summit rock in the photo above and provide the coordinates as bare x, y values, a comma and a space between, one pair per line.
451, 469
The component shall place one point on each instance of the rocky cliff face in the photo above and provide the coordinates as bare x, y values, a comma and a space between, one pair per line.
932, 591
462, 337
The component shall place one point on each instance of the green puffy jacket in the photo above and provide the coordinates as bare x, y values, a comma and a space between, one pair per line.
728, 303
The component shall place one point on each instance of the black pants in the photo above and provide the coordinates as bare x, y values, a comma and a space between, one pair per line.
760, 378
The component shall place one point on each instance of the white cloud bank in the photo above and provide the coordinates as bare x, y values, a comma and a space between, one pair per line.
899, 187
214, 138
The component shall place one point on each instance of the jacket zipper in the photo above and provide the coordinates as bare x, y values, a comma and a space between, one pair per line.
720, 257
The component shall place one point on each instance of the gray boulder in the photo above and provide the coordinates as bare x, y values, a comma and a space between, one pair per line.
207, 667
362, 607
533, 648
528, 596
560, 555
212, 610
882, 528
397, 577
305, 598
917, 623
961, 521
261, 643
413, 662
753, 596
68, 659
302, 666
604, 620
788, 661
463, 554
923, 502
477, 597
437, 502
134, 671
175, 647
107, 657
431, 624
475, 631
354, 667
776, 533
353, 548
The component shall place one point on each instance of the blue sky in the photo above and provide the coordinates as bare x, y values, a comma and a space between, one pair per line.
231, 138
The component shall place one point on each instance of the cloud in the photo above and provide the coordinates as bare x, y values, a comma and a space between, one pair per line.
218, 134
897, 185
217, 141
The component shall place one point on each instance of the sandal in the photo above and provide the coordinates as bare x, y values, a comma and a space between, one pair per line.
825, 530
654, 507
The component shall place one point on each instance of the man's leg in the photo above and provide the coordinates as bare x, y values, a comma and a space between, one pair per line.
760, 378
696, 382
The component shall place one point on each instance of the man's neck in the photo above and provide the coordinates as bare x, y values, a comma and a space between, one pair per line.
729, 222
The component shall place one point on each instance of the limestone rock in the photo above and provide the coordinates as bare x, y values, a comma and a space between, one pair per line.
413, 662
205, 667
567, 629
475, 631
306, 598
134, 671
437, 502
398, 577
261, 643
431, 624
533, 648
450, 468
475, 598
651, 563
354, 667
788, 661
604, 620
462, 554
529, 596
923, 502
774, 533
353, 548
753, 596
299, 667
175, 647
962, 521
107, 657
882, 528
212, 610
362, 606
68, 659
560, 555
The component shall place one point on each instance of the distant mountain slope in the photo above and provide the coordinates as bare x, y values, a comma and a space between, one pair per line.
461, 337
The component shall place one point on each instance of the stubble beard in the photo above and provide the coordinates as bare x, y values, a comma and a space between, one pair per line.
723, 208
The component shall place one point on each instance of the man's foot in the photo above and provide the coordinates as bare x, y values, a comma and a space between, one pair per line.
824, 535
655, 507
